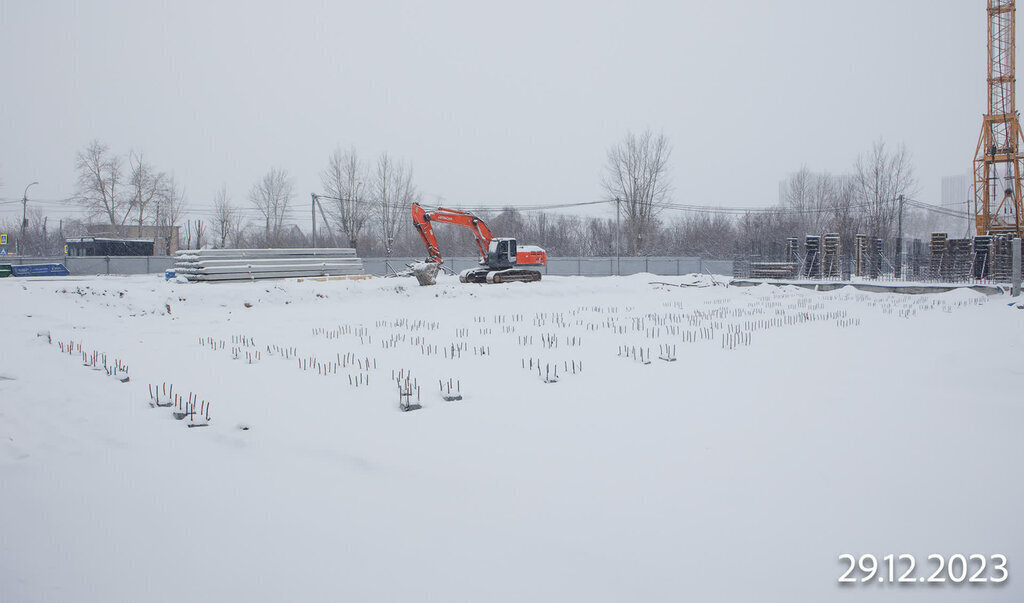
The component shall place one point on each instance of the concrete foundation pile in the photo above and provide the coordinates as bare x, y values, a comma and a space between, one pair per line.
253, 264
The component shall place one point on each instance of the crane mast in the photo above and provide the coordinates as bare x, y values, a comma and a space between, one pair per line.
998, 159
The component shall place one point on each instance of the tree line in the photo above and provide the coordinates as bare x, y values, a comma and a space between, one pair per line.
366, 205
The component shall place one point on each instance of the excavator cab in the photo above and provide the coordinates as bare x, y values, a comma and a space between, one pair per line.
501, 254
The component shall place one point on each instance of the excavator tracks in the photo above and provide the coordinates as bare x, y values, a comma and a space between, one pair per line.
510, 275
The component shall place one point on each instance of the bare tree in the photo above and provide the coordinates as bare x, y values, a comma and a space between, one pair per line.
824, 192
880, 178
225, 216
394, 194
346, 180
637, 177
271, 196
40, 239
843, 215
798, 198
99, 184
146, 185
170, 207
194, 229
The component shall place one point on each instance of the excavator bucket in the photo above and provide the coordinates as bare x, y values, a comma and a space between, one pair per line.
425, 272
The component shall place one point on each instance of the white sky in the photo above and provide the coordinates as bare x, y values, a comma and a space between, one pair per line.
492, 103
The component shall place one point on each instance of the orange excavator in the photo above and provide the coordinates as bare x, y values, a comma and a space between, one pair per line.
501, 259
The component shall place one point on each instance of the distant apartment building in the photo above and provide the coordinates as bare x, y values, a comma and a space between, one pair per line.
958, 193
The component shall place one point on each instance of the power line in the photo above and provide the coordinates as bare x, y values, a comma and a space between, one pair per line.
938, 209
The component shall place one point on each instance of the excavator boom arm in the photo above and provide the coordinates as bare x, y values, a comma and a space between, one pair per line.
423, 216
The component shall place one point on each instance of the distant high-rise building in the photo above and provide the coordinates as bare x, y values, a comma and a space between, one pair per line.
958, 196
956, 192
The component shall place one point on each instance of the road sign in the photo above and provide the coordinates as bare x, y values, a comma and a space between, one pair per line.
3, 239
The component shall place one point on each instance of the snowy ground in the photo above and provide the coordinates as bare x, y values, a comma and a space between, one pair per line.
794, 427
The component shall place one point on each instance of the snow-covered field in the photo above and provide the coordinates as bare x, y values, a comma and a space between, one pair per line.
793, 427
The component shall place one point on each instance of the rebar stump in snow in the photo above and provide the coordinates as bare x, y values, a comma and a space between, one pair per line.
405, 391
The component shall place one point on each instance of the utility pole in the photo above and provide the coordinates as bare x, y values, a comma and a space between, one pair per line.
313, 207
157, 230
323, 215
899, 241
618, 265
24, 218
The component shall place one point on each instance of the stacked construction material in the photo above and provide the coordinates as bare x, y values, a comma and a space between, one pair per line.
938, 269
253, 264
740, 267
830, 257
961, 255
860, 255
812, 256
1002, 258
773, 269
982, 265
876, 261
792, 249
918, 259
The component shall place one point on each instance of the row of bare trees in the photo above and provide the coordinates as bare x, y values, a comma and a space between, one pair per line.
43, 236
119, 191
866, 201
366, 205
360, 196
362, 206
122, 191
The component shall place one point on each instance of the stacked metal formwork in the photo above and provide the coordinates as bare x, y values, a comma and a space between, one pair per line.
740, 267
773, 269
875, 259
860, 254
1002, 260
961, 258
939, 265
812, 256
917, 269
830, 256
793, 249
982, 256
941, 258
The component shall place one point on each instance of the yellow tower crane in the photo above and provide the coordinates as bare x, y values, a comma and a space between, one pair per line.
998, 158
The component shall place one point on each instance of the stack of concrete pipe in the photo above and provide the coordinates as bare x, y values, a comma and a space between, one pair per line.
253, 264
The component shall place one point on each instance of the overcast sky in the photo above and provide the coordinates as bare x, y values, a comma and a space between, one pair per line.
492, 103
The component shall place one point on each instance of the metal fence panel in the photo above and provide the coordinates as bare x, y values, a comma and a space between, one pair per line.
723, 267
88, 265
629, 266
557, 266
128, 265
583, 266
